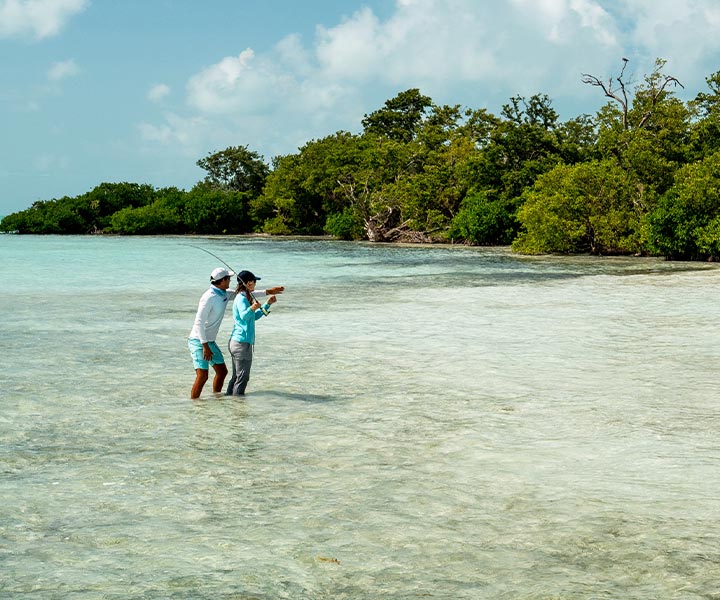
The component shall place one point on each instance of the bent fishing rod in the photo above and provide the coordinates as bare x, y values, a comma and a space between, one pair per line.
248, 294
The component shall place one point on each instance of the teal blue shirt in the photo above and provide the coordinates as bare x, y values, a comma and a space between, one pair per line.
243, 330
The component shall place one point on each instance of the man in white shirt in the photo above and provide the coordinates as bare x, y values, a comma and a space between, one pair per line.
201, 341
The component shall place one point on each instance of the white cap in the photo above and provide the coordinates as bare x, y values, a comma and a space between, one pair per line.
220, 273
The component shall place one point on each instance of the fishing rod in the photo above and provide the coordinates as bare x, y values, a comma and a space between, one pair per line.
248, 294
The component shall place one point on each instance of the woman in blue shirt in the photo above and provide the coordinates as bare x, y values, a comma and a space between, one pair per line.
246, 310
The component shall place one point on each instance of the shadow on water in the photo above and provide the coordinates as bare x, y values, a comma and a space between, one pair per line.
309, 398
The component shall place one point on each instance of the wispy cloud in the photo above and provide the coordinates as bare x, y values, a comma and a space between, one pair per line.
51, 162
37, 18
62, 70
185, 134
158, 92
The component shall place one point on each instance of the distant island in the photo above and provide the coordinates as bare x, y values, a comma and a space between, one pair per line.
641, 176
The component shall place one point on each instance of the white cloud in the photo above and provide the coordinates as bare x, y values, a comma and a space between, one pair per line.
594, 18
185, 133
63, 70
683, 33
37, 18
439, 45
712, 15
568, 22
158, 92
424, 41
478, 54
240, 84
353, 49
219, 87
293, 56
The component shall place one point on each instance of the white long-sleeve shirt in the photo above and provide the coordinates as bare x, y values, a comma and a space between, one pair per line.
210, 313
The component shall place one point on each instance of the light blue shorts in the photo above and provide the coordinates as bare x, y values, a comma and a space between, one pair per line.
196, 351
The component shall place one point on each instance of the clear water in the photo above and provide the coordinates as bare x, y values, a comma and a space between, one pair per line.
421, 423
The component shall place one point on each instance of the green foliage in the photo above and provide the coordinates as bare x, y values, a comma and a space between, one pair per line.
649, 139
537, 111
347, 225
163, 216
708, 240
289, 203
153, 219
260, 210
46, 217
212, 210
519, 149
276, 226
235, 169
326, 177
400, 117
131, 209
686, 222
430, 181
637, 177
97, 206
87, 213
577, 140
709, 103
705, 131
303, 187
483, 220
580, 208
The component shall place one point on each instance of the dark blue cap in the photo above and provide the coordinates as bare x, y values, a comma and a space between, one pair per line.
245, 276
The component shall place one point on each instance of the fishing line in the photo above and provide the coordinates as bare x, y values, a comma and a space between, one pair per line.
252, 297
210, 253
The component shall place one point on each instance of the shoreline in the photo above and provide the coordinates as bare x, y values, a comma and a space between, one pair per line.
506, 249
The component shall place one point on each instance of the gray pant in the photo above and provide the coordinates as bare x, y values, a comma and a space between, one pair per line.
242, 354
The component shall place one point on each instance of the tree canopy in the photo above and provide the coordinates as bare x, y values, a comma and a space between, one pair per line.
639, 176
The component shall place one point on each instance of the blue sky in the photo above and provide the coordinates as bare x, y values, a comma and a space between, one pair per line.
139, 90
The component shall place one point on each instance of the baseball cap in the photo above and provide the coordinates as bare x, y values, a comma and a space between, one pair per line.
220, 273
246, 276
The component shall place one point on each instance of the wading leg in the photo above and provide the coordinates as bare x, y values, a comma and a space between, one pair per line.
201, 376
220, 374
242, 362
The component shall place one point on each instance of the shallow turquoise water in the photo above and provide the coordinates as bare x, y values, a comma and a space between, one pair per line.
421, 422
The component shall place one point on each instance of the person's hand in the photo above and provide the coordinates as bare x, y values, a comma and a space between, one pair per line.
207, 353
272, 300
255, 305
275, 290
